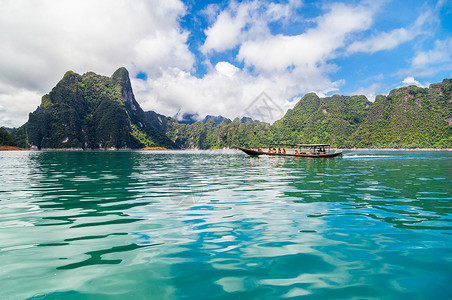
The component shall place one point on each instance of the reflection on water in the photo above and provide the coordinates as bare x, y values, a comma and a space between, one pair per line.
224, 225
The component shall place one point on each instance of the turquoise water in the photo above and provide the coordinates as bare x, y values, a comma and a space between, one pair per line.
222, 225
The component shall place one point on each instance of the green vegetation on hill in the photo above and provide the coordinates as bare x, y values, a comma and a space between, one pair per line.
319, 120
20, 136
92, 112
209, 135
409, 117
97, 112
6, 139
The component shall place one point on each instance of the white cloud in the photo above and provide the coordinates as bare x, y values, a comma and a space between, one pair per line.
283, 66
383, 41
278, 11
243, 21
225, 33
427, 63
226, 90
14, 108
392, 39
370, 92
441, 53
309, 49
41, 40
226, 68
411, 81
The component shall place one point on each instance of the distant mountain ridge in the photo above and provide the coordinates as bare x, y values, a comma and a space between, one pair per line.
91, 111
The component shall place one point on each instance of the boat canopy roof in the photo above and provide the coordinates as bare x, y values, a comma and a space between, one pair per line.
299, 145
313, 145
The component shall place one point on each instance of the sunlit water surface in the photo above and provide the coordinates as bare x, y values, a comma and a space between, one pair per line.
222, 225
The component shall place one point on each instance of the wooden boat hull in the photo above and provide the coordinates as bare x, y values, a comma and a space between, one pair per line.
313, 155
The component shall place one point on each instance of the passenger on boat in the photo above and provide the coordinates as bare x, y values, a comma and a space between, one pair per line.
284, 151
259, 149
279, 150
296, 152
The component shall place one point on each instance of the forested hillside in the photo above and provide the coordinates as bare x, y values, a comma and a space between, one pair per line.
319, 120
92, 112
97, 112
6, 139
409, 117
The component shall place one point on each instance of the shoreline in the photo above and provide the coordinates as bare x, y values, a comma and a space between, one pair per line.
393, 149
152, 148
377, 149
12, 148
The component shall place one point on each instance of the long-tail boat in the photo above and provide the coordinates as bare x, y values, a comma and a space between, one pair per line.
301, 150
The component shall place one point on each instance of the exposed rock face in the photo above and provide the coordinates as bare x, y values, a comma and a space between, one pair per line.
92, 112
121, 77
99, 112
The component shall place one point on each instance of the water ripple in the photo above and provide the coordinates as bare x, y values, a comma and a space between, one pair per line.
208, 224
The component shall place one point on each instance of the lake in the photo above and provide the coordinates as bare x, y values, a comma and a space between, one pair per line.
222, 225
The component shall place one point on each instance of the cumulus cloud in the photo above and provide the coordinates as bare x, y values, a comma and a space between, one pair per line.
284, 66
411, 81
303, 54
245, 55
225, 68
16, 106
370, 92
226, 90
309, 49
41, 40
225, 33
243, 21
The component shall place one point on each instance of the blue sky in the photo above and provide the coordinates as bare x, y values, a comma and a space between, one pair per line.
216, 57
386, 67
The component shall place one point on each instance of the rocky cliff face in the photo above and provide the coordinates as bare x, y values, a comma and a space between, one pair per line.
92, 112
97, 112
121, 78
